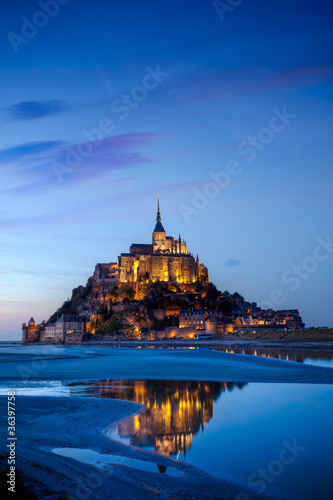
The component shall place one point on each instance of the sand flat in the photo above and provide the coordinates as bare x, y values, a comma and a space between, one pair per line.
81, 362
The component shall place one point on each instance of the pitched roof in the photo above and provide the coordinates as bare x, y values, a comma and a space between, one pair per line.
141, 245
159, 227
69, 317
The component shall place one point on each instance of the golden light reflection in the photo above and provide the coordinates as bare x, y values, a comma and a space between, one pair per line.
292, 355
175, 410
136, 422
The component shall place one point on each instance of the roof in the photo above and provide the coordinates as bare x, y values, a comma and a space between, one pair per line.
286, 311
159, 227
141, 245
69, 317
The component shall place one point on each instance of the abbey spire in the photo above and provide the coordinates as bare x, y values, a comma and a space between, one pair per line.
158, 218
158, 227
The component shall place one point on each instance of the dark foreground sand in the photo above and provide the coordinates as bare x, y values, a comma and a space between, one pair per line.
45, 423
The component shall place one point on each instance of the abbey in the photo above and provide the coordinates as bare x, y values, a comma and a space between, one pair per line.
164, 259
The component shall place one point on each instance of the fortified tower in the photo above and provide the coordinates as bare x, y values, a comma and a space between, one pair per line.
31, 333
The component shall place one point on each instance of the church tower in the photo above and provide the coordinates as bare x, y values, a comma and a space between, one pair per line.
159, 234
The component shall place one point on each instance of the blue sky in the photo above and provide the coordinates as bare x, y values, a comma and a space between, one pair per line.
106, 104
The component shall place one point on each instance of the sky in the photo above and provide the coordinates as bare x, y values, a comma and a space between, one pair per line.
223, 108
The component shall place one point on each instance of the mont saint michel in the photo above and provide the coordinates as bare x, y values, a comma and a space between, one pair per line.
156, 290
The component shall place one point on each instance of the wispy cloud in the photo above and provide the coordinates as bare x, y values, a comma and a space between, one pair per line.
34, 162
216, 84
31, 110
233, 263
83, 210
13, 303
41, 272
29, 149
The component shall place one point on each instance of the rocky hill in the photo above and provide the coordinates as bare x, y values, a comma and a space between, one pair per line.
124, 312
125, 308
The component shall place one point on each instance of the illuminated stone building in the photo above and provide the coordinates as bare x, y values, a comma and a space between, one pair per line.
68, 324
164, 259
66, 328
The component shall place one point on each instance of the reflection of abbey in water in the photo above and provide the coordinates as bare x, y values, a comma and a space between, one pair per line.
176, 411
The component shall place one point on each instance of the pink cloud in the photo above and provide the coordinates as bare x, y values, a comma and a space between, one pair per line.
241, 81
42, 166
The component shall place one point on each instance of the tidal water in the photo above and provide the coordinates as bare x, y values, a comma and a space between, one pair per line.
306, 356
101, 460
276, 438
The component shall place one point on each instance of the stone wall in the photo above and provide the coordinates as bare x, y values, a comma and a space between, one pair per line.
161, 314
186, 333
73, 337
181, 268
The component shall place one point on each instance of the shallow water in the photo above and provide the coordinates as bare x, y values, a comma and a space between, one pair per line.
235, 431
306, 356
53, 388
104, 461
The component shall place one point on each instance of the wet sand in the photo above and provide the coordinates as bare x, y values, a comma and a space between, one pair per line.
95, 362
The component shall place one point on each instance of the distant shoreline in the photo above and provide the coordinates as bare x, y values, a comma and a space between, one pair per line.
297, 339
212, 344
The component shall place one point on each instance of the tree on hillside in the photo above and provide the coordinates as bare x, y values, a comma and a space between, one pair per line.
157, 289
226, 307
198, 286
173, 303
209, 292
126, 293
